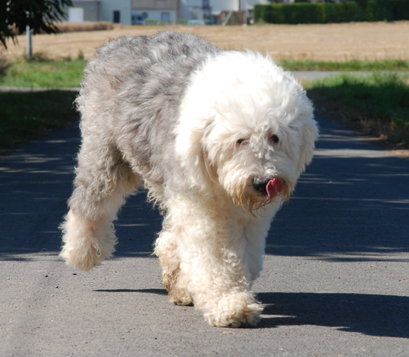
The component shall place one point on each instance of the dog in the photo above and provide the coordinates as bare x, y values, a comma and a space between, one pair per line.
218, 138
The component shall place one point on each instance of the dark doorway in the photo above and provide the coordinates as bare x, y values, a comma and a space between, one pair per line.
117, 16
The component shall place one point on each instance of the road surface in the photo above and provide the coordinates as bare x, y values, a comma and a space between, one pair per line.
335, 279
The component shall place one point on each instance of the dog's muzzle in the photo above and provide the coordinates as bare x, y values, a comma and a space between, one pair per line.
267, 187
260, 185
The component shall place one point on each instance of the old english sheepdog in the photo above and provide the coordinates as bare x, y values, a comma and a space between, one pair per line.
218, 138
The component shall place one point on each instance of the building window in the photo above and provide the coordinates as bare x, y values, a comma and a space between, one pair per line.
165, 16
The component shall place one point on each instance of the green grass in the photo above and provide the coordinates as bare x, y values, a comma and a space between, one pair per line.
353, 65
380, 101
43, 73
27, 115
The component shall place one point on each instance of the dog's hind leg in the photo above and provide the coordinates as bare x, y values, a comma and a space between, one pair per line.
102, 182
173, 278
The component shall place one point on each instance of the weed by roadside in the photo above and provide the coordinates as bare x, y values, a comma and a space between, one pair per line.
379, 103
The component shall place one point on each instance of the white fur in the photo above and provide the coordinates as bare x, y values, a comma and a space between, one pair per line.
198, 160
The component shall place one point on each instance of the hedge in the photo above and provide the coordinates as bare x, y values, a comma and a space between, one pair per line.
313, 13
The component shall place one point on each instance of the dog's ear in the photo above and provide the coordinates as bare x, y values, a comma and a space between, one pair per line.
309, 134
191, 151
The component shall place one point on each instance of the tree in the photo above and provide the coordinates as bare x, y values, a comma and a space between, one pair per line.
40, 15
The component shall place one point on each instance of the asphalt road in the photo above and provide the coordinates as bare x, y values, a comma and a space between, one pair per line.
335, 281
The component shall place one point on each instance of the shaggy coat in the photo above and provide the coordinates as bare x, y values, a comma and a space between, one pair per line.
219, 139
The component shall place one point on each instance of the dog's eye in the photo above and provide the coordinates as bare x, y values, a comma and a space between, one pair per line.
275, 139
240, 141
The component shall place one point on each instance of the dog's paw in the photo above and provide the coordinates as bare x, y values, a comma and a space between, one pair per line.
185, 301
235, 312
180, 297
83, 255
85, 244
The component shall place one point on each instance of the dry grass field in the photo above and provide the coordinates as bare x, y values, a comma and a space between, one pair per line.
331, 42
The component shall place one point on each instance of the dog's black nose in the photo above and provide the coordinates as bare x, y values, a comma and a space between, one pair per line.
260, 184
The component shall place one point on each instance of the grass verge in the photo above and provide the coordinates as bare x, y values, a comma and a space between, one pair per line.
378, 104
67, 73
27, 115
43, 73
353, 65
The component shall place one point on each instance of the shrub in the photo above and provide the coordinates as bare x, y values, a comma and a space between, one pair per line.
307, 13
372, 10
304, 13
353, 12
334, 13
394, 10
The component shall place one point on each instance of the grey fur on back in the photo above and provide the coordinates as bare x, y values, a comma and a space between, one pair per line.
130, 100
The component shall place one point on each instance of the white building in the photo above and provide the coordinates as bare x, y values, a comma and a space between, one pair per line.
84, 10
157, 10
189, 9
125, 12
129, 12
117, 11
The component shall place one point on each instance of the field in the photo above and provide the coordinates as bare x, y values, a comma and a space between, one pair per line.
332, 42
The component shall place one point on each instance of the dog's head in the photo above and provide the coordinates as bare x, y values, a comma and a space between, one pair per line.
246, 126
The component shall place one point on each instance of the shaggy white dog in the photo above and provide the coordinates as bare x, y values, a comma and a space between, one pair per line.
219, 138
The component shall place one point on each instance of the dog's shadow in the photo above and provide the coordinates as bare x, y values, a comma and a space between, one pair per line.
375, 315
146, 291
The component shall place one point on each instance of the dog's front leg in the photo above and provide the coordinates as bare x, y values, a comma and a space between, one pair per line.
234, 307
213, 255
221, 288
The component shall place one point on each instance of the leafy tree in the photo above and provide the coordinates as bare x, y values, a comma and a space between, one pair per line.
40, 15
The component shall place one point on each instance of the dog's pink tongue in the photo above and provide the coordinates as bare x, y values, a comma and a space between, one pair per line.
274, 187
